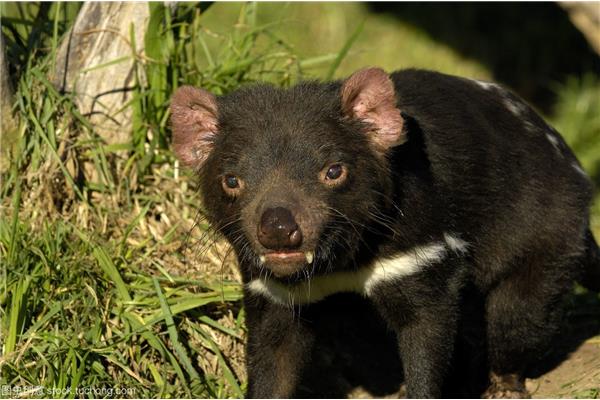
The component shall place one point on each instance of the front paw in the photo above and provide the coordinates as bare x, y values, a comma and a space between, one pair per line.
509, 386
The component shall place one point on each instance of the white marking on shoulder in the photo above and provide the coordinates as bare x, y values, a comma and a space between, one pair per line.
455, 243
555, 143
579, 169
519, 110
514, 107
404, 264
553, 139
486, 85
529, 126
362, 280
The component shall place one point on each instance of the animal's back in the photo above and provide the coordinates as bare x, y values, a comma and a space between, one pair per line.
406, 190
507, 181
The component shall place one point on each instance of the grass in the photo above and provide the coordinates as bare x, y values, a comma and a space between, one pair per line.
110, 278
577, 117
98, 251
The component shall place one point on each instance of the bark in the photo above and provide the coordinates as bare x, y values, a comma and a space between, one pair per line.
100, 35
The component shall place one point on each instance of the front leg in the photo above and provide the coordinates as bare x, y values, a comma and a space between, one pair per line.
423, 311
279, 347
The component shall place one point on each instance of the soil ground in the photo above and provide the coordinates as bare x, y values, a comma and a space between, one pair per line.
577, 376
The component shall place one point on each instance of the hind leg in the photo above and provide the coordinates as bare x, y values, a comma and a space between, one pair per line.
523, 314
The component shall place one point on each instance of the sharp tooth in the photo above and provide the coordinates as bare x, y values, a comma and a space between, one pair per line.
262, 259
309, 256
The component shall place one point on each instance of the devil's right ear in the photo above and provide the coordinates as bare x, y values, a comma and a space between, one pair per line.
369, 96
194, 124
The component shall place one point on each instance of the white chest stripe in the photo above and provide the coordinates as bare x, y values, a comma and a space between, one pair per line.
486, 85
360, 281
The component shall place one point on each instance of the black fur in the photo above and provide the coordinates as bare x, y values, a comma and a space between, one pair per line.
471, 167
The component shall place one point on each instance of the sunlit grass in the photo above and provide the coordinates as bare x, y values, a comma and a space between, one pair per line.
99, 287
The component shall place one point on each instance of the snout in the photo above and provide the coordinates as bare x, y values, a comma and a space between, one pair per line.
280, 233
278, 230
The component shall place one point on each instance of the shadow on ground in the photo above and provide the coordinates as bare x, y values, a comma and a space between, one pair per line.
583, 322
356, 355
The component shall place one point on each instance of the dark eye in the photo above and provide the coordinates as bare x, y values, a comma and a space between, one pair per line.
231, 182
334, 172
232, 185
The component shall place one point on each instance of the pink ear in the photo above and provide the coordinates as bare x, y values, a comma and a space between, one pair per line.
368, 95
194, 124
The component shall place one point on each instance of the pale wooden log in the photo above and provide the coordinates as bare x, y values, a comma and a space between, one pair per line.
99, 36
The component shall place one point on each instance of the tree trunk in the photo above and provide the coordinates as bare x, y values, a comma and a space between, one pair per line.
96, 62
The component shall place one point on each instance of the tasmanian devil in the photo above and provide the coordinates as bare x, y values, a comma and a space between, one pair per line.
416, 192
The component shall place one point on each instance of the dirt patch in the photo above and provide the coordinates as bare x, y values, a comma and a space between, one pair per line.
578, 376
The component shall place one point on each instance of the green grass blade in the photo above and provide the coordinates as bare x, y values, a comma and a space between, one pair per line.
112, 272
14, 239
227, 372
174, 336
17, 315
116, 61
132, 225
344, 51
195, 301
55, 309
211, 322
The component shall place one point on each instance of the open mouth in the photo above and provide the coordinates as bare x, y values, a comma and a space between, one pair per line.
285, 263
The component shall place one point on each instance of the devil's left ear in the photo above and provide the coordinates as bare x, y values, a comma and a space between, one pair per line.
368, 95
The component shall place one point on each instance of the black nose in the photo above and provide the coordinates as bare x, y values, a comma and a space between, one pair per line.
278, 229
